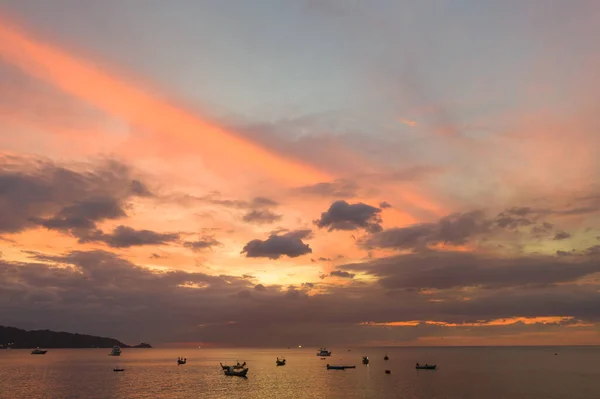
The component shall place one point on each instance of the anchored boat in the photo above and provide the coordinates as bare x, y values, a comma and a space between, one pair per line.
116, 351
234, 367
323, 352
236, 373
38, 351
330, 367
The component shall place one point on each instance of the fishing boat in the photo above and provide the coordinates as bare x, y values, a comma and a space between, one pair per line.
116, 351
280, 362
426, 367
38, 351
386, 357
236, 373
234, 367
118, 369
330, 367
365, 360
181, 361
323, 352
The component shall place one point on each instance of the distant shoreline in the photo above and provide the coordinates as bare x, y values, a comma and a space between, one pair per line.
16, 338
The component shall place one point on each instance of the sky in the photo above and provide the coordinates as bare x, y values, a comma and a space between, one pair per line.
314, 172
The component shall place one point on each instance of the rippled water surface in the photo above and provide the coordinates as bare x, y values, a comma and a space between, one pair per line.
464, 373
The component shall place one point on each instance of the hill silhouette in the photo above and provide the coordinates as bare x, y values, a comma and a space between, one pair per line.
17, 338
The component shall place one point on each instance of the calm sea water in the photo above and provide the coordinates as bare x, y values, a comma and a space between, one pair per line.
464, 373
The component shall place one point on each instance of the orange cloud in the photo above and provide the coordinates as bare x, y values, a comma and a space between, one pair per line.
408, 122
172, 129
550, 338
482, 323
119, 98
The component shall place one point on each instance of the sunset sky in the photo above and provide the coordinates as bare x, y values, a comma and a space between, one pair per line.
315, 172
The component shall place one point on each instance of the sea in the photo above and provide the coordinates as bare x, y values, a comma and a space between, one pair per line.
462, 373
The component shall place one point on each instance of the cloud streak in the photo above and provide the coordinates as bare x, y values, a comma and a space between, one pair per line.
87, 82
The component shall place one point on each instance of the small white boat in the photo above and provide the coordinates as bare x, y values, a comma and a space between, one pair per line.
38, 351
116, 351
323, 352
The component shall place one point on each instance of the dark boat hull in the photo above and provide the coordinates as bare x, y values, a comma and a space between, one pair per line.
426, 367
340, 367
233, 373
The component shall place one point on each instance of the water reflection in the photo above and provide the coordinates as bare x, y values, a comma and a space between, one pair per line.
153, 373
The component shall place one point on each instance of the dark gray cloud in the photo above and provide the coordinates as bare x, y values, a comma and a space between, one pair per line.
336, 189
543, 228
259, 202
342, 274
140, 189
85, 214
258, 210
593, 251
289, 244
445, 270
125, 237
101, 282
201, 244
385, 205
262, 216
37, 192
563, 253
456, 229
561, 235
519, 211
99, 293
344, 216
515, 217
518, 216
256, 202
403, 237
